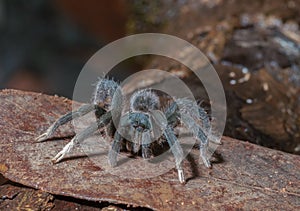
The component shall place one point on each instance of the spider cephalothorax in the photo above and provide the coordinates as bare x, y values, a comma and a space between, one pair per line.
143, 124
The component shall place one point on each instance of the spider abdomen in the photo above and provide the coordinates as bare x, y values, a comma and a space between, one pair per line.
144, 100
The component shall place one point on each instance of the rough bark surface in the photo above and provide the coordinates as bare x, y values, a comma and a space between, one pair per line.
14, 197
243, 175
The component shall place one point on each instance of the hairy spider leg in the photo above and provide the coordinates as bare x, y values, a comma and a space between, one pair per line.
101, 102
176, 150
190, 117
203, 137
207, 125
203, 147
146, 143
172, 118
89, 131
171, 114
115, 149
66, 118
137, 140
116, 145
169, 135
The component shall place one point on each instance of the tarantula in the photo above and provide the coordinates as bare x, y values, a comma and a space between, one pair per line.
143, 120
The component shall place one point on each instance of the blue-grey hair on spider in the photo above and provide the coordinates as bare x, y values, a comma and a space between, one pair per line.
144, 100
141, 121
104, 92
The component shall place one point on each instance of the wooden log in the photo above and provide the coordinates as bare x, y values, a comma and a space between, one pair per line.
243, 175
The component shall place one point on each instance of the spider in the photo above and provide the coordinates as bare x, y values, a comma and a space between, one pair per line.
144, 121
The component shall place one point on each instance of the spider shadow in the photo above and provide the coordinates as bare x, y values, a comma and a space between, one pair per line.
217, 158
126, 159
57, 138
193, 163
128, 156
122, 160
90, 155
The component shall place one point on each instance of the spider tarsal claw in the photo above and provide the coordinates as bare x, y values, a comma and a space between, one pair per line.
62, 153
58, 157
206, 163
42, 137
181, 176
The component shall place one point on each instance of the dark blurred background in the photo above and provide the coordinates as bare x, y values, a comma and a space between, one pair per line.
253, 45
44, 44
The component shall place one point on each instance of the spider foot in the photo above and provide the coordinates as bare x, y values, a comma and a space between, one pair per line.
112, 164
181, 176
42, 137
112, 160
215, 140
62, 153
206, 162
